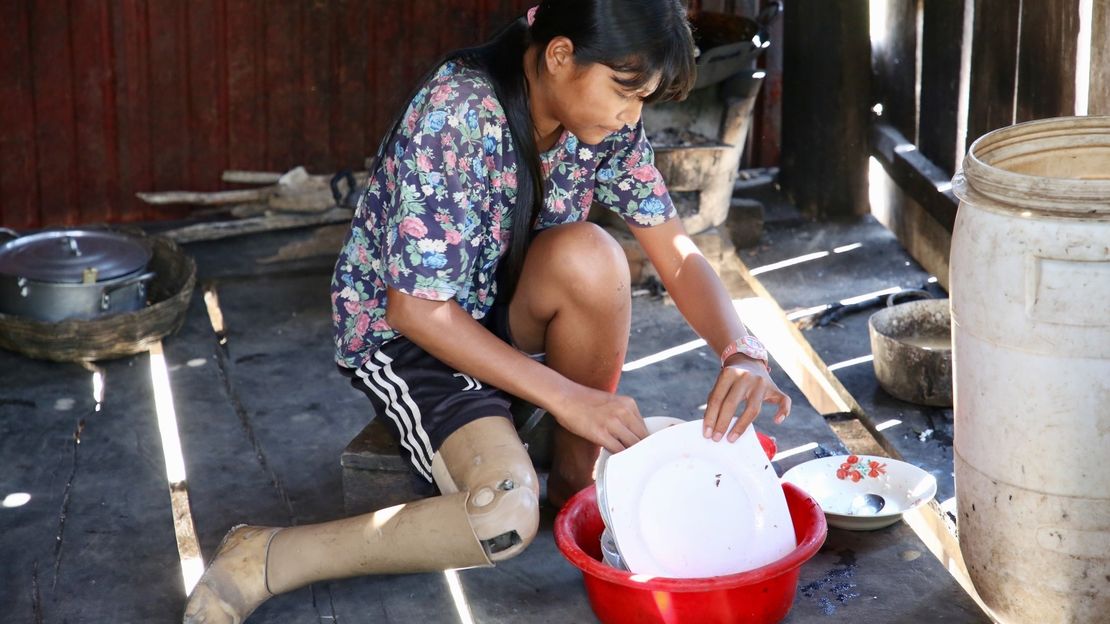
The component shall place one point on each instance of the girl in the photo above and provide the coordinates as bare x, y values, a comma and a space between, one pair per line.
470, 277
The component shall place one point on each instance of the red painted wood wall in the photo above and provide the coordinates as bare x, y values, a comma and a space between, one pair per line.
102, 99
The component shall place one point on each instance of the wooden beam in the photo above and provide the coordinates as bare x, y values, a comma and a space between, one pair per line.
927, 183
826, 106
914, 200
921, 235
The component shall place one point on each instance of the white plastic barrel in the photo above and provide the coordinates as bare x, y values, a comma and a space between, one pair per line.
1030, 292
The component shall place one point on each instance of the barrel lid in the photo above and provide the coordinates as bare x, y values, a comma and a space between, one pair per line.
73, 256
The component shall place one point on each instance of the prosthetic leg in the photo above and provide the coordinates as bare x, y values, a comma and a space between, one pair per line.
489, 512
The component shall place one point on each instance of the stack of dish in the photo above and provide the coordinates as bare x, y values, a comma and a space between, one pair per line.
678, 505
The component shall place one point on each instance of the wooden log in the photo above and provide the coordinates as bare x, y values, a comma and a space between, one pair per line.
239, 227
305, 201
250, 177
826, 106
243, 211
293, 191
206, 199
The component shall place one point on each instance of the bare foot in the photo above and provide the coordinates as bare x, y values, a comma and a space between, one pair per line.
235, 582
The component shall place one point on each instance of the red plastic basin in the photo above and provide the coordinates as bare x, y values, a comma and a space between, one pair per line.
764, 594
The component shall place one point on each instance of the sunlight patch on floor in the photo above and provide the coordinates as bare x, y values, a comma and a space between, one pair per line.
462, 607
655, 358
188, 547
863, 359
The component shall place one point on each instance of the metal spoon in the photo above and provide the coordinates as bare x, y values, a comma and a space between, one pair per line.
867, 504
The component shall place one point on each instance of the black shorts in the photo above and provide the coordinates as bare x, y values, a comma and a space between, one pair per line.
426, 400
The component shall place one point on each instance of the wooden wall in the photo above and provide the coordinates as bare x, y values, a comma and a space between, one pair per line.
103, 99
1022, 66
979, 65
943, 72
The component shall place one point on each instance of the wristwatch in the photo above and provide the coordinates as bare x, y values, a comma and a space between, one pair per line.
749, 346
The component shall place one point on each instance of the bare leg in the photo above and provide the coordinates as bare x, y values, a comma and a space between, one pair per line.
573, 303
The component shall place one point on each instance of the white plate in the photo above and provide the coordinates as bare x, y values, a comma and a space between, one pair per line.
682, 506
609, 553
653, 424
904, 486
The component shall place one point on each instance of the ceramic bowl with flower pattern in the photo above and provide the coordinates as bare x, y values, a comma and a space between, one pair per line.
836, 482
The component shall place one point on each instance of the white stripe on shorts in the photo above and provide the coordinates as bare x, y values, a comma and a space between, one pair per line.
380, 377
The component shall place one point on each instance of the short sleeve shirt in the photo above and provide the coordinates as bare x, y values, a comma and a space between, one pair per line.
437, 214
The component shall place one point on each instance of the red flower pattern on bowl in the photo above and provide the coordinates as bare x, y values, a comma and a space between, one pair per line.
856, 471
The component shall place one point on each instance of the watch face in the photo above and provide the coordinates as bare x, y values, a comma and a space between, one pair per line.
754, 347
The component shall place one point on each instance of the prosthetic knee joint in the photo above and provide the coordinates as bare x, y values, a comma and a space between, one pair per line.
503, 502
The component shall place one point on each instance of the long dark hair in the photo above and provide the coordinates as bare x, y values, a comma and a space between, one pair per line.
643, 38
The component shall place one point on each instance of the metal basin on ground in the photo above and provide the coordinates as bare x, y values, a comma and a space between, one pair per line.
912, 346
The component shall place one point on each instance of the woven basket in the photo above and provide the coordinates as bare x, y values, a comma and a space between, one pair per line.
116, 335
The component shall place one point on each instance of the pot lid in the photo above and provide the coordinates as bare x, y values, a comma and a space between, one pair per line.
73, 256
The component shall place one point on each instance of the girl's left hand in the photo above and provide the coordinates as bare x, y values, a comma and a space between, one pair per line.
742, 380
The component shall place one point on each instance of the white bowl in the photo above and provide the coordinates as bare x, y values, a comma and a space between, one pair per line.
830, 481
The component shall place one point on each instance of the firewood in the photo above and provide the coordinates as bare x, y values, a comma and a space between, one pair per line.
206, 199
225, 229
250, 177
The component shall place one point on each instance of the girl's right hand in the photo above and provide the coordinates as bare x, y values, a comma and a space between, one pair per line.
612, 421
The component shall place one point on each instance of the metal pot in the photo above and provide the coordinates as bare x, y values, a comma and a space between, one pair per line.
58, 275
912, 346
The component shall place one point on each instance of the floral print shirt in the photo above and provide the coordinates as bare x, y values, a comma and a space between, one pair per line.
436, 217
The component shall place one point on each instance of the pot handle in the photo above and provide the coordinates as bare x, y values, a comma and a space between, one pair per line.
343, 200
909, 294
142, 280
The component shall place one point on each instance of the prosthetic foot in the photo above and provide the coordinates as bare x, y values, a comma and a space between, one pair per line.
235, 584
255, 563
